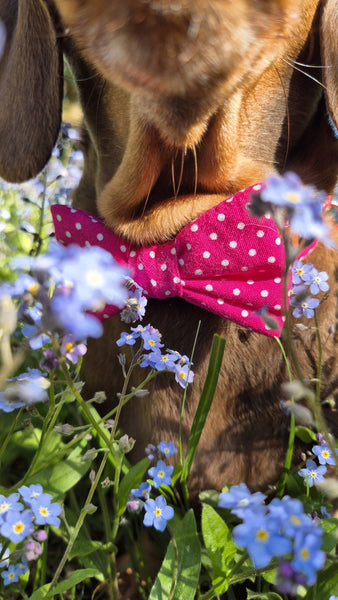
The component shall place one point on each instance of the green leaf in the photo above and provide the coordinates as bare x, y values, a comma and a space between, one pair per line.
188, 563
205, 402
62, 476
267, 596
327, 584
63, 586
220, 547
305, 434
330, 537
131, 480
209, 497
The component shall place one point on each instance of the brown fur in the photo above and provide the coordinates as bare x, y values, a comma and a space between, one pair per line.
184, 103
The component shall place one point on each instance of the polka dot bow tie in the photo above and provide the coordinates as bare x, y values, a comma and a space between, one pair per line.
226, 261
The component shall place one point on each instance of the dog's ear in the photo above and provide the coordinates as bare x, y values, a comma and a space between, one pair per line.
329, 48
30, 87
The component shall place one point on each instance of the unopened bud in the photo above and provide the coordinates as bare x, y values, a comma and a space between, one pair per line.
126, 444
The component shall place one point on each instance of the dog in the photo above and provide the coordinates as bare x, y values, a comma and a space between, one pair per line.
185, 103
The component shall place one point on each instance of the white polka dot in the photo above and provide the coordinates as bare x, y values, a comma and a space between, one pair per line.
209, 287
213, 236
267, 327
257, 187
225, 263
88, 244
194, 227
78, 226
244, 313
61, 242
198, 272
58, 218
271, 259
283, 318
73, 210
206, 254
189, 246
252, 252
181, 261
277, 307
106, 316
68, 234
220, 301
244, 268
140, 267
260, 233
93, 220
167, 293
236, 292
277, 280
152, 254
240, 225
182, 282
278, 241
233, 244
264, 293
133, 253
122, 248
250, 282
176, 280
153, 282
163, 267
230, 199
220, 217
173, 251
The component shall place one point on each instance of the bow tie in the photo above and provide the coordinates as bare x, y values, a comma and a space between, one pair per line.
225, 261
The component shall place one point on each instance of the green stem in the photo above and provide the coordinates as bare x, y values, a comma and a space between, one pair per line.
11, 431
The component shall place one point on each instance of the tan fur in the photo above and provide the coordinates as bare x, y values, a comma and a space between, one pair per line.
184, 103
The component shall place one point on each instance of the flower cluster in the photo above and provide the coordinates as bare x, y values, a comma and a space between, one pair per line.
150, 339
28, 388
290, 201
280, 530
20, 514
157, 512
306, 281
314, 473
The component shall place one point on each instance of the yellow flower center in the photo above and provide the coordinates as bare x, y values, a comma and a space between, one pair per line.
262, 535
151, 343
300, 271
18, 527
158, 512
295, 520
43, 511
325, 454
181, 374
69, 346
33, 288
313, 474
293, 197
304, 553
161, 474
3, 507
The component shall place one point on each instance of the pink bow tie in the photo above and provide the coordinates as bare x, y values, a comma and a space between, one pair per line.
226, 261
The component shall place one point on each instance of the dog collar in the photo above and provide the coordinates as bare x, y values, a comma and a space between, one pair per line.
226, 261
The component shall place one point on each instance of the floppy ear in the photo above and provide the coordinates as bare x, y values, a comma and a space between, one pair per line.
30, 88
329, 48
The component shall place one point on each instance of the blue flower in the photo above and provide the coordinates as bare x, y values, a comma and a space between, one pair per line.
157, 513
28, 388
183, 375
17, 525
142, 491
287, 190
260, 535
308, 558
300, 271
161, 474
290, 511
324, 454
126, 338
31, 493
71, 350
312, 473
9, 504
306, 307
239, 499
167, 448
151, 338
45, 512
66, 313
135, 305
11, 575
317, 281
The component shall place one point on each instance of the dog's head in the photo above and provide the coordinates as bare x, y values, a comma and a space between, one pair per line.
183, 100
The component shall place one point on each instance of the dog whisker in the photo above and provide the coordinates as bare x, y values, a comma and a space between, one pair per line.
293, 65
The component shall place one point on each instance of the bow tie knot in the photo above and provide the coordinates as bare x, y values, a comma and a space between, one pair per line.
226, 261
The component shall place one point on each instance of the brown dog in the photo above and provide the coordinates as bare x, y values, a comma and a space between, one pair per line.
184, 104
